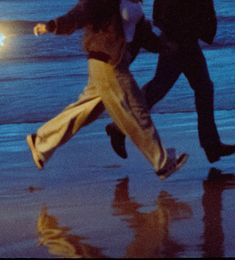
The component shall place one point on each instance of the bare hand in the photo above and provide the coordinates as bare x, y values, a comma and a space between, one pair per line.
40, 29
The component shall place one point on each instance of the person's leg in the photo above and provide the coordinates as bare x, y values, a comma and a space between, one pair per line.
196, 71
61, 128
167, 72
125, 104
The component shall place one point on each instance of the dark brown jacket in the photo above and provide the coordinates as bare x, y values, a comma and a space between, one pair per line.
110, 40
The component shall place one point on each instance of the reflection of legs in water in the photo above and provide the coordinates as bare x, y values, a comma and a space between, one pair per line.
213, 235
59, 242
151, 230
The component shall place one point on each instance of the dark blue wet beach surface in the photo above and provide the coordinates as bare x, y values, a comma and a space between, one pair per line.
88, 202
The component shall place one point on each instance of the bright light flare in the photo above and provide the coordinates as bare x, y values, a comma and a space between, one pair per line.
2, 39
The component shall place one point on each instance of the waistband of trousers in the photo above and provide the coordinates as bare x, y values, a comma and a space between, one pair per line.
99, 56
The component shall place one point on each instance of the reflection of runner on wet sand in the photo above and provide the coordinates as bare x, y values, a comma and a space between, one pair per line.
152, 235
213, 236
59, 242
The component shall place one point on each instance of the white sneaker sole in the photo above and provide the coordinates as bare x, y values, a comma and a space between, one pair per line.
34, 152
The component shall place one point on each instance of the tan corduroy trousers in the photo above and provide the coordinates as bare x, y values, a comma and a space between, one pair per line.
114, 89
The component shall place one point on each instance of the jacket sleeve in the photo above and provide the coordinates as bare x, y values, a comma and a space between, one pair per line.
160, 14
68, 23
144, 38
150, 41
209, 21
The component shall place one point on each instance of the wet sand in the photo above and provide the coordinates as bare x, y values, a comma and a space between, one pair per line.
90, 203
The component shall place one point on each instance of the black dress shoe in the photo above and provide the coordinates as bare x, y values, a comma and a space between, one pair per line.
117, 139
214, 152
212, 156
227, 149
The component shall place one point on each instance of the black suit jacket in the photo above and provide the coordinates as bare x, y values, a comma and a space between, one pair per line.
186, 20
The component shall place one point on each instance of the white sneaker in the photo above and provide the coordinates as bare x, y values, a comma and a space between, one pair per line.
31, 143
173, 164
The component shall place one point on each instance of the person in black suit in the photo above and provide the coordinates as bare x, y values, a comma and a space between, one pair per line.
183, 23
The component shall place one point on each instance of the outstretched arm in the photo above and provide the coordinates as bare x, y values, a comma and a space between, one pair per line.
66, 24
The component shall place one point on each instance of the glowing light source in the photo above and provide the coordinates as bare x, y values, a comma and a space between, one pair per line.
2, 39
